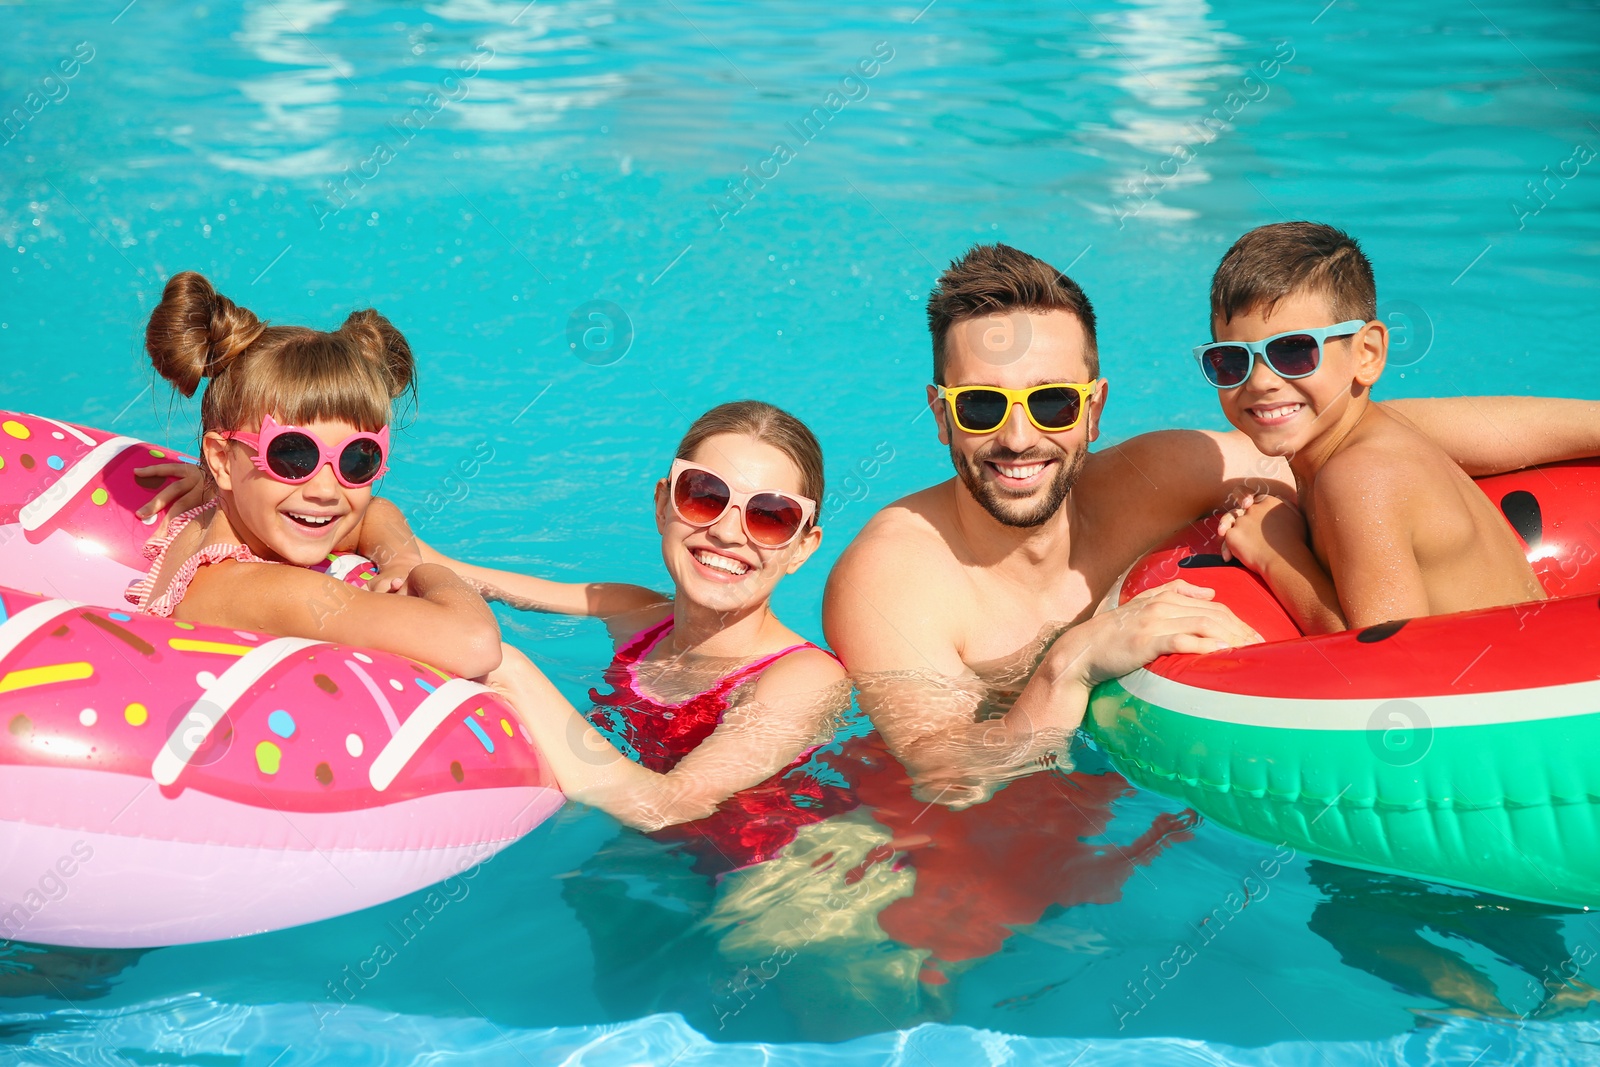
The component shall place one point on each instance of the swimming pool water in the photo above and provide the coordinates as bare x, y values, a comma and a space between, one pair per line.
554, 231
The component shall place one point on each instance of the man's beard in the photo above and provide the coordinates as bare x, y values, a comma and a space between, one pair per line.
1009, 510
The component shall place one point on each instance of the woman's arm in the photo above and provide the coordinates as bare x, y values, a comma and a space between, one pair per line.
386, 539
794, 703
441, 621
620, 605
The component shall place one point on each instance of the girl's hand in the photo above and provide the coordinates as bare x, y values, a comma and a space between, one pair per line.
1249, 531
186, 492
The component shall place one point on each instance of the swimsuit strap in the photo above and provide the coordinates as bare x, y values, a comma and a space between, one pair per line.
644, 642
156, 551
727, 682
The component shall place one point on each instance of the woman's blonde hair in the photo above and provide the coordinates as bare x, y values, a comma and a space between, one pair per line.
768, 424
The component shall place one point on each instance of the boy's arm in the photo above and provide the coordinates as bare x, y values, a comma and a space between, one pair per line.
1269, 536
1493, 434
1363, 524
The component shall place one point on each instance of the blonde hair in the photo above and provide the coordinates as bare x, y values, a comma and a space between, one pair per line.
293, 373
768, 424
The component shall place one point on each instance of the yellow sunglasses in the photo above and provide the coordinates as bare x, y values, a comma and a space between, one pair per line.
1052, 408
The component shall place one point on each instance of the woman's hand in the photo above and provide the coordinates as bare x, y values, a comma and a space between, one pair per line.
386, 539
187, 491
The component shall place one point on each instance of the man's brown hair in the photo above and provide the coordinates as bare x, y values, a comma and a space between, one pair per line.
1271, 262
998, 278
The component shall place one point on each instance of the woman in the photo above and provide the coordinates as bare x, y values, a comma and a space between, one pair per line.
711, 696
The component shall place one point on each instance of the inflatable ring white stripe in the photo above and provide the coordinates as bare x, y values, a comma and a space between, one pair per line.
40, 510
218, 698
418, 727
69, 428
29, 620
1300, 713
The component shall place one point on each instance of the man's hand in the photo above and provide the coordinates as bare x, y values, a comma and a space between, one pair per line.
1176, 618
187, 491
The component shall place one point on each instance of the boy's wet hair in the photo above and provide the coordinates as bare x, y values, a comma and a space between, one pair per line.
997, 278
294, 373
1272, 262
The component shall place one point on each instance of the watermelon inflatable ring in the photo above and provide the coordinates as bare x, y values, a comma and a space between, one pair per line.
1459, 749
163, 783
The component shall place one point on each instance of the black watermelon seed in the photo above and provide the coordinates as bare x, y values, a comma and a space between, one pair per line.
455, 770
324, 774
1381, 632
1207, 559
1521, 509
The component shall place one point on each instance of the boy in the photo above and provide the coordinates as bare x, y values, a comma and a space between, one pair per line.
1396, 529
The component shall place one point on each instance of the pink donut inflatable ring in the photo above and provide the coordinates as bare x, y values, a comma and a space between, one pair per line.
163, 783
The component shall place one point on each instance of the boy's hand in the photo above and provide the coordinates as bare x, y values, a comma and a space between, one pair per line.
186, 492
1259, 529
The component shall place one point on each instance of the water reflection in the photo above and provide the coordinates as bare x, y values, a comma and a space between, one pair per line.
863, 921
1173, 59
63, 974
1382, 923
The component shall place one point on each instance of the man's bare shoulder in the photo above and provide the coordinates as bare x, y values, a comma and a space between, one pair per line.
893, 596
905, 538
1163, 461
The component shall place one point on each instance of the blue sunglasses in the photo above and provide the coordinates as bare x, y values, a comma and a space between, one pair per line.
1291, 355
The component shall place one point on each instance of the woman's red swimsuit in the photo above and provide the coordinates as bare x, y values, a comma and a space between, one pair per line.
752, 825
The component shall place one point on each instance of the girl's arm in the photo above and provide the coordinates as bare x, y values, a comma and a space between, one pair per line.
441, 621
624, 608
795, 701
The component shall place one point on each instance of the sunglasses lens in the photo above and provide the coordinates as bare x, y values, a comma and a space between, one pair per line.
1226, 365
980, 410
293, 456
1294, 356
360, 461
773, 519
700, 497
1055, 408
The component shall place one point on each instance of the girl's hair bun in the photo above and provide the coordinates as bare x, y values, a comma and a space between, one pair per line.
384, 346
195, 332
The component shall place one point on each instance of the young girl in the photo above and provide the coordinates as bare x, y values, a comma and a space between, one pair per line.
294, 432
711, 697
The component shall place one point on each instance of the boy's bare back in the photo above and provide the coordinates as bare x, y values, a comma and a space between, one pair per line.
1404, 532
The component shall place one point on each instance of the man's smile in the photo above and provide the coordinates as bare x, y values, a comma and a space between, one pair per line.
1015, 475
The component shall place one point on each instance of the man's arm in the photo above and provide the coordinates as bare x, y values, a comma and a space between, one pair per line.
895, 624
1494, 434
896, 636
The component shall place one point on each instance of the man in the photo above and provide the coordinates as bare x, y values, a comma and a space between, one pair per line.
966, 612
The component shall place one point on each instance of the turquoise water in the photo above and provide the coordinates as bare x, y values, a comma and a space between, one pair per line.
578, 161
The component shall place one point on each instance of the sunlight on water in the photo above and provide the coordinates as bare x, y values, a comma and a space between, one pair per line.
489, 173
